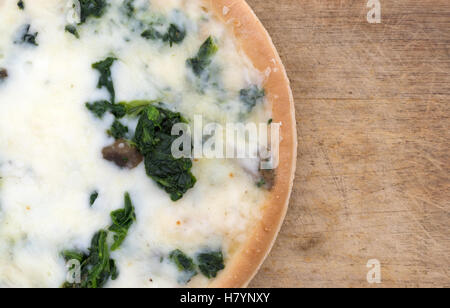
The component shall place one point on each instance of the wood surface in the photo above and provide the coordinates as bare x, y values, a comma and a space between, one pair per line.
373, 116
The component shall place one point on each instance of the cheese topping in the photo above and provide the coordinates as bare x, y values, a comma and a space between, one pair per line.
51, 144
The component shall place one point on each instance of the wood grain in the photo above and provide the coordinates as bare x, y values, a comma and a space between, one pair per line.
373, 115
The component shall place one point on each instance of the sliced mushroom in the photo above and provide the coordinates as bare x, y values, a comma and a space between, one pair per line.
3, 74
122, 154
267, 178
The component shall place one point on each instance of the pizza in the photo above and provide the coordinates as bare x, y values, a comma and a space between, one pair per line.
142, 143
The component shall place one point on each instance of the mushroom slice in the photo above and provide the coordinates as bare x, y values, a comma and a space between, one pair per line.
122, 154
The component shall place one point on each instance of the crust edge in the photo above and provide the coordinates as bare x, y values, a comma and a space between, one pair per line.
255, 41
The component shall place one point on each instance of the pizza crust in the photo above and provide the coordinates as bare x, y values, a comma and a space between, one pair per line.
255, 41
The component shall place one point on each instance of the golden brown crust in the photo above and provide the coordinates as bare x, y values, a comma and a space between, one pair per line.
257, 44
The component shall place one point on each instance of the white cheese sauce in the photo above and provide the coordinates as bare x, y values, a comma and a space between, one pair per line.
50, 144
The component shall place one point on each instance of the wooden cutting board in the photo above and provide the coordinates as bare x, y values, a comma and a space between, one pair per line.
373, 116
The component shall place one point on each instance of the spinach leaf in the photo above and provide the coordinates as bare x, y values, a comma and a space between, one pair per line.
128, 5
154, 140
72, 30
21, 5
98, 108
251, 96
174, 35
105, 80
118, 130
210, 263
122, 221
96, 267
203, 58
151, 34
27, 37
184, 264
94, 8
93, 198
73, 255
119, 111
261, 183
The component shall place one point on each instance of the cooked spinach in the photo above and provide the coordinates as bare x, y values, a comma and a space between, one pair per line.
91, 8
99, 108
184, 264
118, 130
118, 110
151, 34
27, 37
128, 5
251, 96
203, 58
96, 267
122, 221
105, 80
134, 108
93, 198
210, 263
69, 255
154, 140
21, 5
72, 30
261, 183
174, 35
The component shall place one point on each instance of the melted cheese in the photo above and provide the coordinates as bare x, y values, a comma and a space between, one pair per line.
50, 145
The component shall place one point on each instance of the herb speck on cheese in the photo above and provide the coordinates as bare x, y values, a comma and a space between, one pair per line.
174, 35
129, 8
21, 5
27, 37
72, 30
93, 198
91, 8
251, 96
